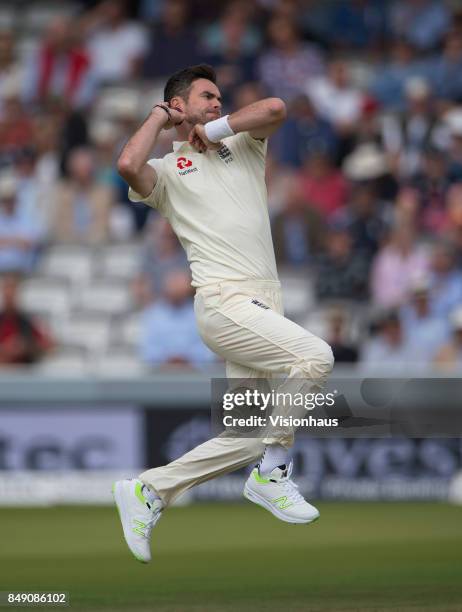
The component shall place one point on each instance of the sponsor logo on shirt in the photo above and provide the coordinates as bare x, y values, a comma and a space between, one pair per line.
225, 154
184, 166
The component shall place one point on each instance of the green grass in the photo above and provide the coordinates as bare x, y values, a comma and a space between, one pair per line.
223, 558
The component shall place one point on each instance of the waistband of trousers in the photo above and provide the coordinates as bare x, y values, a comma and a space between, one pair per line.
249, 284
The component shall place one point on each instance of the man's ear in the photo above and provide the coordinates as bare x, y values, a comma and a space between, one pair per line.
177, 103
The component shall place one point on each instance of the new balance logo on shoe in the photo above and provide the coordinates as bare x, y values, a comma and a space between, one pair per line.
282, 502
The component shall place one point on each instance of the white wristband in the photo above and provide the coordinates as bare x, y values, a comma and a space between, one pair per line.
218, 129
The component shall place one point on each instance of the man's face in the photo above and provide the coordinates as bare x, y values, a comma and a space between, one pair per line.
203, 103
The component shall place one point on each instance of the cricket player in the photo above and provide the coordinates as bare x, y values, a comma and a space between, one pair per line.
212, 190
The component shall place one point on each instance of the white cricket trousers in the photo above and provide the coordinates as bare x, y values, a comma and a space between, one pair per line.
243, 322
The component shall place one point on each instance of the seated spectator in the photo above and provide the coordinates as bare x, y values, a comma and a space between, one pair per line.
431, 185
338, 336
60, 68
445, 280
233, 28
447, 69
230, 46
16, 129
82, 205
297, 231
406, 136
302, 134
289, 64
335, 97
161, 254
388, 83
367, 218
387, 352
422, 329
11, 70
398, 261
169, 335
20, 234
453, 144
116, 45
323, 186
341, 273
449, 355
172, 40
422, 23
23, 340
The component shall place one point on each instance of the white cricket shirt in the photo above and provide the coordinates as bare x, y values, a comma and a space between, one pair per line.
216, 203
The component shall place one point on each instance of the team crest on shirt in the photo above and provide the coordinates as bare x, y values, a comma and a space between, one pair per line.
225, 154
185, 166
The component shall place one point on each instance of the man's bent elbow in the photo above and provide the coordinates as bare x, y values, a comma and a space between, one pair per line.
277, 108
126, 168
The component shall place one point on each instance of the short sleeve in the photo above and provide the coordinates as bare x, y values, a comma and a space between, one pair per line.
248, 144
156, 199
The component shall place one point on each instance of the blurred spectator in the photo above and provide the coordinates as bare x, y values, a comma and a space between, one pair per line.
20, 235
11, 70
60, 68
422, 22
367, 218
160, 255
279, 180
23, 340
116, 45
233, 31
323, 186
356, 24
445, 280
387, 352
15, 125
289, 64
169, 334
423, 330
368, 163
453, 230
447, 69
431, 185
230, 48
297, 231
82, 205
335, 97
302, 134
389, 80
399, 260
452, 126
171, 41
341, 273
449, 356
338, 336
406, 136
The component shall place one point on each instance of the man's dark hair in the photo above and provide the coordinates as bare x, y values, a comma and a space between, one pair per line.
180, 82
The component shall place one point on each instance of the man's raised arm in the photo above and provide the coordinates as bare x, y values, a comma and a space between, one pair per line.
260, 119
132, 163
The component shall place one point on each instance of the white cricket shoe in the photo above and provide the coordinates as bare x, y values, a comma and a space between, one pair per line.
278, 494
137, 515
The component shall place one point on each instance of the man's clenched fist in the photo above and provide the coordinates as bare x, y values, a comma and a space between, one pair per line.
199, 140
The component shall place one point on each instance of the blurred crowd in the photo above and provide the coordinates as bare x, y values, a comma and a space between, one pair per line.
364, 178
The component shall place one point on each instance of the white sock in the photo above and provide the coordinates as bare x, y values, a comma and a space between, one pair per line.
273, 456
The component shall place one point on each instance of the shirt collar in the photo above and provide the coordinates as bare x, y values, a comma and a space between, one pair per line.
178, 144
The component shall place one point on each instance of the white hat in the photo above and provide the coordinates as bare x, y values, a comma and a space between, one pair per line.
453, 120
8, 184
366, 162
416, 88
456, 318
